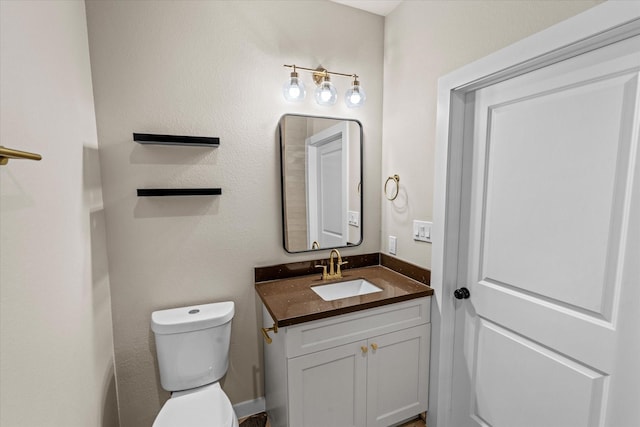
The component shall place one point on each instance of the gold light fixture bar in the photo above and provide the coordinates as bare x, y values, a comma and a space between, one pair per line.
10, 153
320, 72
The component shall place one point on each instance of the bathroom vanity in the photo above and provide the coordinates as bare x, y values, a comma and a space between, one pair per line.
361, 360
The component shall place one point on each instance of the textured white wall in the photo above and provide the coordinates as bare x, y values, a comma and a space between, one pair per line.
56, 346
425, 40
211, 68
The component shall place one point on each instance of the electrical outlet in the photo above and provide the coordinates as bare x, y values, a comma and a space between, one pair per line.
422, 231
392, 245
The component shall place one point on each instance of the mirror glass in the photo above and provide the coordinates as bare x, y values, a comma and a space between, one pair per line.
321, 166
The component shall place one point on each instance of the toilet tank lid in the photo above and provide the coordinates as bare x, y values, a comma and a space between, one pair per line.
193, 318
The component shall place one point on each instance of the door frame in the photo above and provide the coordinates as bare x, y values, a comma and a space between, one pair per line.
340, 130
599, 26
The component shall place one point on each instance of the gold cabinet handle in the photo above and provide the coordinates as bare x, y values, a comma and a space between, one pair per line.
374, 346
364, 349
265, 333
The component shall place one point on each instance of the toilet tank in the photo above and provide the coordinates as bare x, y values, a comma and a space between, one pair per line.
192, 344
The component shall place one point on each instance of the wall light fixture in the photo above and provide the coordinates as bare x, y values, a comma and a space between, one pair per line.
325, 92
293, 90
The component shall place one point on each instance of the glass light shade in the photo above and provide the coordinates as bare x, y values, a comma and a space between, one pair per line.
293, 90
355, 96
326, 93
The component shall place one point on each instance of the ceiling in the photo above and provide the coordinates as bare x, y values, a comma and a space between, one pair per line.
379, 7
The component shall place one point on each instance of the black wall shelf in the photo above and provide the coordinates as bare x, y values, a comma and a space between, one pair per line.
155, 192
201, 141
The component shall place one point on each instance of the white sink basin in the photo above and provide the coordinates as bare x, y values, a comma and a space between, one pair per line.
347, 289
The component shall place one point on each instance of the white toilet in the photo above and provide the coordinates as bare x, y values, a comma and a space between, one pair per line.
192, 344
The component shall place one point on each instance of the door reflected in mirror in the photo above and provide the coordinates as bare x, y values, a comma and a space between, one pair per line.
321, 166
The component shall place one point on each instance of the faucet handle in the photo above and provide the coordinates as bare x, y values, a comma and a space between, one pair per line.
324, 270
338, 271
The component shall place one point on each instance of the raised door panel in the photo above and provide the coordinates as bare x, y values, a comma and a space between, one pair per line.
521, 383
398, 372
328, 388
552, 187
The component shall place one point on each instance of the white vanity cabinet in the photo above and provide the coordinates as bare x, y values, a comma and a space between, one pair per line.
367, 368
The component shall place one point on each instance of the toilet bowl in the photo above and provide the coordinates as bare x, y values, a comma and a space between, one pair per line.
205, 406
192, 344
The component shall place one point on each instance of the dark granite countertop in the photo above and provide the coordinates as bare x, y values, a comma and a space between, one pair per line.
291, 301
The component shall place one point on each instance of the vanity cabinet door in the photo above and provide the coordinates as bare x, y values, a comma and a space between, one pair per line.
328, 388
398, 372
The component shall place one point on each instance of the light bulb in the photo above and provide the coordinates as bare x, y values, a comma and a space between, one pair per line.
293, 89
355, 96
326, 93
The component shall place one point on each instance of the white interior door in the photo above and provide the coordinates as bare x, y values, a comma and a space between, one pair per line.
550, 335
327, 177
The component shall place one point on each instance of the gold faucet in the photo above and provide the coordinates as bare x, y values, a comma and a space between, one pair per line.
334, 268
315, 245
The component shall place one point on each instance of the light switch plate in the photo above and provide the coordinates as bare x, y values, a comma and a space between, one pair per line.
422, 231
392, 245
354, 218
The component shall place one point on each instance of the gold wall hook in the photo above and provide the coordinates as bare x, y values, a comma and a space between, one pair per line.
10, 153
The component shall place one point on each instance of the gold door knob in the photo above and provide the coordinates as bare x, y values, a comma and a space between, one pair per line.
374, 346
364, 349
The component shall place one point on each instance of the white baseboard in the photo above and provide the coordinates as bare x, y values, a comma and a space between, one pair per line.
249, 407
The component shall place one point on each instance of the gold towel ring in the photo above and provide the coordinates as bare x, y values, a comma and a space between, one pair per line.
396, 179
